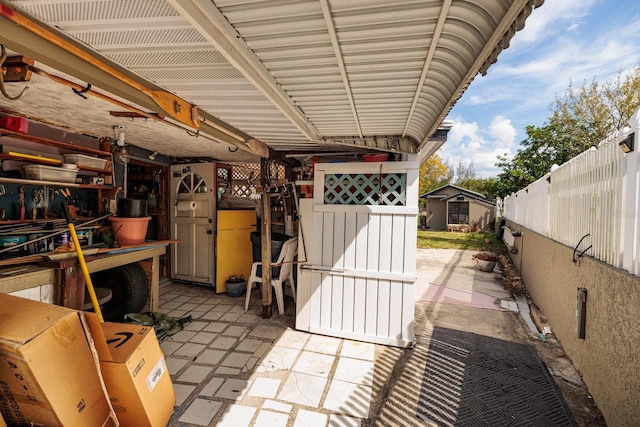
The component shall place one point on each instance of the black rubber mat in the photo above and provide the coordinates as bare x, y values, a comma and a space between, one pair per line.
474, 380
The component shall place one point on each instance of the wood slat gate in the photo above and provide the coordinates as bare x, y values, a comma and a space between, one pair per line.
359, 235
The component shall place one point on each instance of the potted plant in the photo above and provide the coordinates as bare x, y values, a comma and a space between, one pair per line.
235, 286
486, 261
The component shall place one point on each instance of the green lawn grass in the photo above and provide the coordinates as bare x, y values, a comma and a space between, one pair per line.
459, 240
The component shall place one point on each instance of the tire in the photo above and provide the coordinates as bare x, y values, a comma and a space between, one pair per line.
129, 288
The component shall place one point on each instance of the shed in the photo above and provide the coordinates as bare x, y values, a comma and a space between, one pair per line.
452, 208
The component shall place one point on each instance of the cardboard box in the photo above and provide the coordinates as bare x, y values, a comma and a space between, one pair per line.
49, 372
135, 372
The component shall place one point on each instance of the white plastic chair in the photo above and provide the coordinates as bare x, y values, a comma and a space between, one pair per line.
285, 259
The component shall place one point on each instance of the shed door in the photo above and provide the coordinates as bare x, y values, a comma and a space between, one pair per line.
193, 222
360, 235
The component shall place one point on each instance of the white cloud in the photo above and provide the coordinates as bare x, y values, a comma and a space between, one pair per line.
550, 18
467, 143
573, 27
503, 132
462, 132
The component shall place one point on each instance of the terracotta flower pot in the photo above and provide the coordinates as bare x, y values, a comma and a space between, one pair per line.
129, 231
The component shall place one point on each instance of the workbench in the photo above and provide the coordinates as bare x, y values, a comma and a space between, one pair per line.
67, 277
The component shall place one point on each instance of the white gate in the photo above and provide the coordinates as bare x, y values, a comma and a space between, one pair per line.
359, 232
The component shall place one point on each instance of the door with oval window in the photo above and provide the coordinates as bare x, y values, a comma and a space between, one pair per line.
192, 217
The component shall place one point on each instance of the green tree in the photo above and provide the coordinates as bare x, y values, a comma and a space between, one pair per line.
593, 111
579, 120
433, 174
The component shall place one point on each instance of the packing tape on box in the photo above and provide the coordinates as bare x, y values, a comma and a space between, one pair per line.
186, 206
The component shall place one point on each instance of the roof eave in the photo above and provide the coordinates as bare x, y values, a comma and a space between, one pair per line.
513, 21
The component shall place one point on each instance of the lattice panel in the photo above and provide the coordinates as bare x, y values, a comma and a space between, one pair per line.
245, 177
366, 189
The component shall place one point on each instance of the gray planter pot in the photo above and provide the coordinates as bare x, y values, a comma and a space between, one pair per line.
235, 289
487, 266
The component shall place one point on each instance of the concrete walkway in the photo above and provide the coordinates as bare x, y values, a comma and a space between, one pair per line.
237, 369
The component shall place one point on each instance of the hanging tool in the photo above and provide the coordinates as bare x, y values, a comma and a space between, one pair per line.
156, 181
21, 202
83, 264
299, 217
38, 198
3, 56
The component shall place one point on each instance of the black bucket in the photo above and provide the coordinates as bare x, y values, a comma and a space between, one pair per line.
277, 240
132, 208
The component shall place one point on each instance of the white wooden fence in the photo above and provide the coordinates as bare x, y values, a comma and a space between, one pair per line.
596, 193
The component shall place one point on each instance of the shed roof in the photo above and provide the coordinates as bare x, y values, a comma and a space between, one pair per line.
437, 192
469, 196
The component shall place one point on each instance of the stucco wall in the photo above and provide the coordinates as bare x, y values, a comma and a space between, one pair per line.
609, 356
481, 214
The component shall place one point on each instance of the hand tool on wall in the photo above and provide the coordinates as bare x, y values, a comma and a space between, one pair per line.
83, 264
21, 202
38, 198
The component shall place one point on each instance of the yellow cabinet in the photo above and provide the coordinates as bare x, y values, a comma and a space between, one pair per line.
233, 245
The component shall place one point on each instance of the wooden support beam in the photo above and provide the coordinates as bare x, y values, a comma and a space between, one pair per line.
265, 237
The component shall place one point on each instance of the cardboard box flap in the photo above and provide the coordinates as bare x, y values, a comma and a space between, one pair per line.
123, 339
15, 327
115, 341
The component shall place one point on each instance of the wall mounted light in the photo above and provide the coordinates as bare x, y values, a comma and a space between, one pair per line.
626, 144
119, 130
153, 155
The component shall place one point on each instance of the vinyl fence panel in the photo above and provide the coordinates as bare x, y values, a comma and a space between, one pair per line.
593, 198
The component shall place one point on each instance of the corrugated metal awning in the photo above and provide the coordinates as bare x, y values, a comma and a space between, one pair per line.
294, 74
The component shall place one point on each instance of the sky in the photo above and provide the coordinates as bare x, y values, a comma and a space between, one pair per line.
563, 42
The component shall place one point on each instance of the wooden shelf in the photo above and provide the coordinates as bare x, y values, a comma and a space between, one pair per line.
98, 170
55, 183
53, 143
98, 186
32, 159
